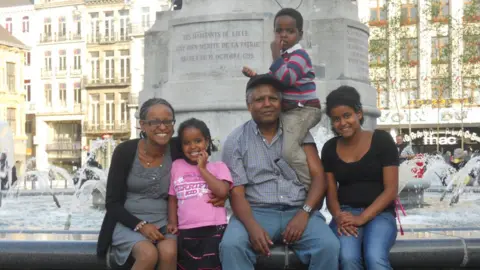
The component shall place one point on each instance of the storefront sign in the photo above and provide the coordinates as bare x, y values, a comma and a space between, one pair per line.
444, 136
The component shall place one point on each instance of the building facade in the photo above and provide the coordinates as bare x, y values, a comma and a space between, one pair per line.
60, 55
425, 65
12, 92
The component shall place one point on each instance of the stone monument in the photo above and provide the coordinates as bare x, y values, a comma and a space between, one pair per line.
194, 56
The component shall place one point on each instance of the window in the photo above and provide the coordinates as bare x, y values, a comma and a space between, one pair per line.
109, 110
48, 95
145, 17
47, 29
124, 65
77, 22
77, 93
378, 13
440, 50
409, 91
378, 52
11, 112
95, 66
440, 10
62, 94
441, 88
409, 51
471, 10
109, 26
11, 77
124, 22
26, 60
48, 61
28, 90
382, 97
95, 110
95, 27
62, 28
9, 25
77, 59
62, 56
471, 90
109, 66
25, 24
409, 13
471, 49
124, 113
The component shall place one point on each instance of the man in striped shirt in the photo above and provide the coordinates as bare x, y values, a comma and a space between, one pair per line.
293, 67
269, 203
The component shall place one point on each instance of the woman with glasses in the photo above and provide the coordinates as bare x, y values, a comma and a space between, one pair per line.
137, 193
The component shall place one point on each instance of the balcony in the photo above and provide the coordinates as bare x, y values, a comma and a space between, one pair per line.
78, 108
46, 73
61, 73
64, 145
133, 99
55, 37
75, 72
106, 82
104, 127
138, 29
108, 39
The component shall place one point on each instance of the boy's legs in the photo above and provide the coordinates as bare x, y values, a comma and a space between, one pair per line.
296, 124
236, 252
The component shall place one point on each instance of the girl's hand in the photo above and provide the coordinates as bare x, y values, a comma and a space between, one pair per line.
172, 228
352, 220
249, 72
348, 230
202, 160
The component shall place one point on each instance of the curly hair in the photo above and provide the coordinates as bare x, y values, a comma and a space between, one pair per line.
344, 96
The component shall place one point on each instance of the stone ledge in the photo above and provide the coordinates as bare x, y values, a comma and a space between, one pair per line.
80, 254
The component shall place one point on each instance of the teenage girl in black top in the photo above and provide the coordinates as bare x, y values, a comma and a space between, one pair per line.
362, 174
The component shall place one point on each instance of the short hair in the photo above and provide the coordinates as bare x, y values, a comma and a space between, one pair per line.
200, 125
297, 16
344, 96
249, 92
152, 102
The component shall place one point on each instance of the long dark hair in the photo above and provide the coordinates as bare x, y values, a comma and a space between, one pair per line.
200, 125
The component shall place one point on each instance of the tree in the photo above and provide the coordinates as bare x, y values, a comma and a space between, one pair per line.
398, 62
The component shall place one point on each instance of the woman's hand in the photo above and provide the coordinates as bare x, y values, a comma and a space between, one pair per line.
347, 230
351, 220
172, 228
202, 160
151, 232
216, 201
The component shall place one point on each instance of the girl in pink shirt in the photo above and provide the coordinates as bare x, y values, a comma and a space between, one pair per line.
198, 223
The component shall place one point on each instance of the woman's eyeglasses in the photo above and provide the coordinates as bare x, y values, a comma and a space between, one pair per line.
158, 123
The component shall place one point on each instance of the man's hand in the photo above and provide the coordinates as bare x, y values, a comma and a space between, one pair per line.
216, 201
260, 240
295, 228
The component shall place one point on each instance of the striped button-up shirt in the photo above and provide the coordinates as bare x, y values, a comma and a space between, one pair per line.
259, 166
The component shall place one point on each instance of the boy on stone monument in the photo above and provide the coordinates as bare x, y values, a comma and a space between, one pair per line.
300, 105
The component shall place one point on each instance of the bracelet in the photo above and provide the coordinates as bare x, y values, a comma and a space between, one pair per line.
139, 226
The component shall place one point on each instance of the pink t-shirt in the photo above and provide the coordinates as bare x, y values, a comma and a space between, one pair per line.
191, 190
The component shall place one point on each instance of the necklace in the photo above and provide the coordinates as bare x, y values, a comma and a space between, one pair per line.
149, 162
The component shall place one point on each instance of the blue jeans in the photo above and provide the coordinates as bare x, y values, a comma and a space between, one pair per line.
375, 239
318, 247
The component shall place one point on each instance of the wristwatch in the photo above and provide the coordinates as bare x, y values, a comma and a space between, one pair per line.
307, 208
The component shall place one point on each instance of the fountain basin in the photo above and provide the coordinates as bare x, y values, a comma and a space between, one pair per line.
413, 192
418, 248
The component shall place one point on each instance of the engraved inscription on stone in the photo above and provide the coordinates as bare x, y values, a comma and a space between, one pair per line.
216, 48
357, 53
